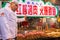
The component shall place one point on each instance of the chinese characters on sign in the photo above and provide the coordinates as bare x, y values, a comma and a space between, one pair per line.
36, 9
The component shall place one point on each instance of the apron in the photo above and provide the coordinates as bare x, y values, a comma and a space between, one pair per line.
8, 24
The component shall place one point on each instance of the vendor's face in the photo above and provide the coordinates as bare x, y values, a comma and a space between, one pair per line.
14, 6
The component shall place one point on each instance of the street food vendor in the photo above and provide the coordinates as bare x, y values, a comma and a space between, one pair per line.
8, 23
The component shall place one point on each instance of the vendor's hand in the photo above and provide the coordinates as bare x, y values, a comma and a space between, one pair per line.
25, 18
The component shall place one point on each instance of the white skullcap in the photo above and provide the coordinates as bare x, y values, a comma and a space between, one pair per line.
16, 1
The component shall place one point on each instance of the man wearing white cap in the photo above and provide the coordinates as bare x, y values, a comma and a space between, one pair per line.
8, 23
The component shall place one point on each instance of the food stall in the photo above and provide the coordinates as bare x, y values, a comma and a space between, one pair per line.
37, 27
46, 33
47, 29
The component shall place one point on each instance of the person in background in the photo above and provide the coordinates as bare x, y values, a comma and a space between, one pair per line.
53, 22
8, 22
40, 24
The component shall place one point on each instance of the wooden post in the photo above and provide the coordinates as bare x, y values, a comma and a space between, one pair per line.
46, 27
